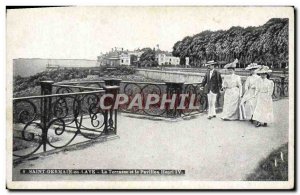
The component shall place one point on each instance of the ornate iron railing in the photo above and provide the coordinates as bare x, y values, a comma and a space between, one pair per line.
52, 121
281, 87
168, 88
131, 88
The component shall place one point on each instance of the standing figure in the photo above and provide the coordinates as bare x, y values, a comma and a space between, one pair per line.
263, 112
212, 82
248, 102
233, 91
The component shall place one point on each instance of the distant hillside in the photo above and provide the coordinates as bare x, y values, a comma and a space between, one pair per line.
266, 44
30, 66
22, 86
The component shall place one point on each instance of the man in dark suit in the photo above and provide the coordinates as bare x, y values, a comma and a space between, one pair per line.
213, 83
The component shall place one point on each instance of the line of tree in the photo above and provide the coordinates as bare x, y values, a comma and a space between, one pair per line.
266, 44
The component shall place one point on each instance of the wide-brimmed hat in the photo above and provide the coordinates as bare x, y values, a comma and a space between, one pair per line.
232, 64
263, 69
209, 63
252, 66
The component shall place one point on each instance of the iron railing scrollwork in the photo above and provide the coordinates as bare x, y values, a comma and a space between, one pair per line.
52, 121
281, 87
144, 89
200, 99
131, 89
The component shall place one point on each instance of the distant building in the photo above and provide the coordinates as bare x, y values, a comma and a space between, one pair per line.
125, 59
119, 56
136, 53
166, 58
112, 59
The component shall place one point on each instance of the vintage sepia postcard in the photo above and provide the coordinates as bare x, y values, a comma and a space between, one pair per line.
164, 97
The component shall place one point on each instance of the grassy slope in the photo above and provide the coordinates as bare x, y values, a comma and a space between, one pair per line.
267, 170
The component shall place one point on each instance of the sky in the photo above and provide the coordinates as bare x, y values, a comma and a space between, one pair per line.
85, 32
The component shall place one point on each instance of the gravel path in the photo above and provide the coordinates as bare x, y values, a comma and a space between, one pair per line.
206, 149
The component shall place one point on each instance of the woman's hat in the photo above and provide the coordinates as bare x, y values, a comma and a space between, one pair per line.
232, 64
263, 69
209, 63
252, 66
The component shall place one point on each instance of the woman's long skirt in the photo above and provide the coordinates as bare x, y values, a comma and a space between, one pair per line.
264, 108
231, 104
248, 104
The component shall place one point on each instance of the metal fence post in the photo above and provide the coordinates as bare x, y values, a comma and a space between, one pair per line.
116, 83
174, 88
111, 82
46, 89
112, 86
111, 114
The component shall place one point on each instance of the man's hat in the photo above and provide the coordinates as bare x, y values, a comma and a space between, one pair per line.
209, 63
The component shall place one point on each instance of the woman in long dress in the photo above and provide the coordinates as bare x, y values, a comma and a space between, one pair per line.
248, 102
263, 112
233, 90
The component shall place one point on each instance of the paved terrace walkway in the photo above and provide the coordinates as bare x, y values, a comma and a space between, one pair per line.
206, 149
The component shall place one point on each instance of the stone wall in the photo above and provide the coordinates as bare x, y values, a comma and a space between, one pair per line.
186, 77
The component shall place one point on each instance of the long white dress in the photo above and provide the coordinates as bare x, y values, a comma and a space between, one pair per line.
248, 102
263, 112
233, 86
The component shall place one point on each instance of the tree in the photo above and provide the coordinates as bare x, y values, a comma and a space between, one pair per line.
147, 59
267, 44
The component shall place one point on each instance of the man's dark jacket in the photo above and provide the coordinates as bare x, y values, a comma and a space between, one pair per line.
213, 84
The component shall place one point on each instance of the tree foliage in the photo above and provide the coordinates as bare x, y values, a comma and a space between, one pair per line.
147, 59
266, 44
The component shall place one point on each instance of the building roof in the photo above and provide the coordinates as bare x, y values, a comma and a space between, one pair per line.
112, 55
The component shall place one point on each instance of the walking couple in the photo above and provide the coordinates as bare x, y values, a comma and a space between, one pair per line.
256, 102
